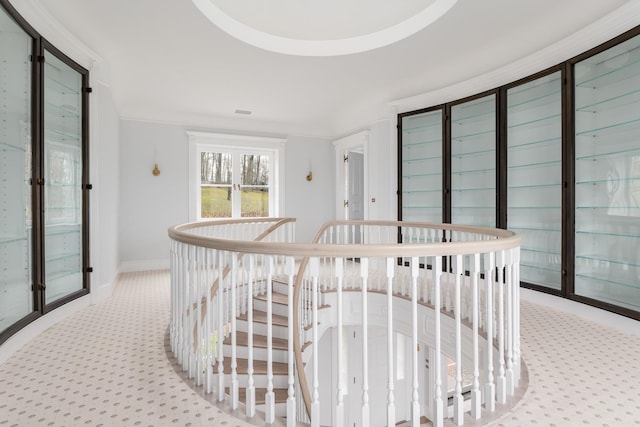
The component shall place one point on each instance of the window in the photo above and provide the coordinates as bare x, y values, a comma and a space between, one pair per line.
234, 176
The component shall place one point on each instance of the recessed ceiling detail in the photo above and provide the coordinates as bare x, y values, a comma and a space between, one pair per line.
322, 27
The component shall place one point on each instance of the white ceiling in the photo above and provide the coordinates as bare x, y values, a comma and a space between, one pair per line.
170, 63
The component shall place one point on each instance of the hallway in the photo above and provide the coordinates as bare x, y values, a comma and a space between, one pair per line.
107, 366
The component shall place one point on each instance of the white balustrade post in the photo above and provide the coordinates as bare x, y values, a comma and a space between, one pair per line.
339, 412
438, 416
509, 323
489, 390
189, 358
251, 389
476, 396
364, 275
314, 270
199, 261
415, 395
391, 408
220, 333
458, 400
501, 382
269, 398
234, 345
516, 314
210, 327
291, 399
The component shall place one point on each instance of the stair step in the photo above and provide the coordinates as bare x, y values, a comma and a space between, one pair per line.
275, 297
281, 395
259, 367
261, 317
242, 339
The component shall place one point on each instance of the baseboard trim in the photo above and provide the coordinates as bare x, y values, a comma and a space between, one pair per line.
146, 265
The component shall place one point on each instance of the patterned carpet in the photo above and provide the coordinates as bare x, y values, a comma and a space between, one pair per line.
107, 366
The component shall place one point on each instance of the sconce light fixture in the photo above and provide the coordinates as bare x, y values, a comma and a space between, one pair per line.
155, 171
310, 174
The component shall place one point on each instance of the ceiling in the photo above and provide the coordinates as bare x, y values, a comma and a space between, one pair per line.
169, 63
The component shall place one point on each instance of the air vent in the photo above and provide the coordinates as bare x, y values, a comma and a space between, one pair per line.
245, 112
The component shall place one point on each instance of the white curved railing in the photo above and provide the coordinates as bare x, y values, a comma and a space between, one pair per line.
471, 274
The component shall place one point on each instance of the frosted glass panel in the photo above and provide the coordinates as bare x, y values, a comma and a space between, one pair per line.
16, 296
422, 167
534, 177
607, 98
473, 162
63, 179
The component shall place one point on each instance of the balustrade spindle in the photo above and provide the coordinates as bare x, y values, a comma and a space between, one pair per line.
415, 395
269, 398
339, 413
209, 328
490, 390
250, 391
221, 334
291, 399
437, 363
391, 407
509, 343
190, 356
458, 400
501, 388
314, 267
364, 275
476, 396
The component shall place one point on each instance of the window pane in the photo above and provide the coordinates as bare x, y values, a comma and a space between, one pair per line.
63, 179
254, 175
16, 297
473, 162
607, 176
216, 174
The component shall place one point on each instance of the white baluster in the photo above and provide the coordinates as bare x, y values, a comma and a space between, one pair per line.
489, 391
339, 413
210, 327
458, 400
501, 382
391, 408
190, 358
476, 396
234, 345
415, 395
364, 274
437, 363
509, 338
314, 267
269, 398
251, 389
220, 334
291, 399
516, 314
198, 309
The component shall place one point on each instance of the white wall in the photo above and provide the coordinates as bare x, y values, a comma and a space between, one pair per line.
382, 172
311, 202
149, 205
104, 198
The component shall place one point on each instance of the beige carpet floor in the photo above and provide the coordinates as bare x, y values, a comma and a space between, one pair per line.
107, 366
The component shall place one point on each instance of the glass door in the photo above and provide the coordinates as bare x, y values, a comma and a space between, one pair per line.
421, 167
16, 222
235, 184
63, 177
473, 162
607, 176
534, 177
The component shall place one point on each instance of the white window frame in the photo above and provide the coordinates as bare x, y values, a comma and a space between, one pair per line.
220, 142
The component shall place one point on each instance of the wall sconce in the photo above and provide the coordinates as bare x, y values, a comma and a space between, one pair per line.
310, 174
155, 170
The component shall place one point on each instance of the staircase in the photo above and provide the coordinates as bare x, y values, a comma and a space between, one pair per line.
279, 353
